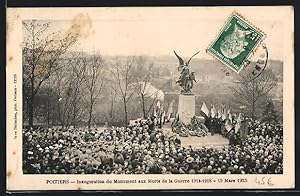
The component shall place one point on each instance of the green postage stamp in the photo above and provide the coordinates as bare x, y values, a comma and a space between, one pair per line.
236, 41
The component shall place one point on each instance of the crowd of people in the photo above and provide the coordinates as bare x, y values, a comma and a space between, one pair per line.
143, 148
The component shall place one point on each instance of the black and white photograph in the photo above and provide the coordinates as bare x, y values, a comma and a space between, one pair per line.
153, 91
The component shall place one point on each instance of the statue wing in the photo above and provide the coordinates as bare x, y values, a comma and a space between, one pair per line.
192, 57
181, 62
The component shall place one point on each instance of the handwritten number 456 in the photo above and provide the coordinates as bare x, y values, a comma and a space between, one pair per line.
264, 181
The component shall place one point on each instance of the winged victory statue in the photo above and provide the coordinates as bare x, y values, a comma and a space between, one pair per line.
186, 78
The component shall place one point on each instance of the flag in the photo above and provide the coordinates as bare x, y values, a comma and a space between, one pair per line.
223, 114
238, 123
169, 115
230, 117
163, 117
155, 121
228, 125
204, 109
228, 111
154, 112
176, 119
213, 111
170, 110
161, 110
219, 114
222, 107
158, 104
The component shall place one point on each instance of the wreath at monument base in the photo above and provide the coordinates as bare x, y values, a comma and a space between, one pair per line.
195, 128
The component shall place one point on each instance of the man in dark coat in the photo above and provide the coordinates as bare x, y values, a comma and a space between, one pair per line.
207, 122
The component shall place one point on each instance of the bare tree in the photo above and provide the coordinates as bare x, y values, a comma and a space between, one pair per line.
249, 93
77, 84
110, 117
93, 79
48, 111
122, 81
142, 79
67, 83
40, 54
60, 84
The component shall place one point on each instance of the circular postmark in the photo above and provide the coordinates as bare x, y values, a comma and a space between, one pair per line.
253, 66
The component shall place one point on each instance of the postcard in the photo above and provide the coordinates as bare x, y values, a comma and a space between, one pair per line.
134, 98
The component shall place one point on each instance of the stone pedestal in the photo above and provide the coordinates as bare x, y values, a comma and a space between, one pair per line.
186, 108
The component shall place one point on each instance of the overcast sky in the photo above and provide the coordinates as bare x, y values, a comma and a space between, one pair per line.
152, 31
